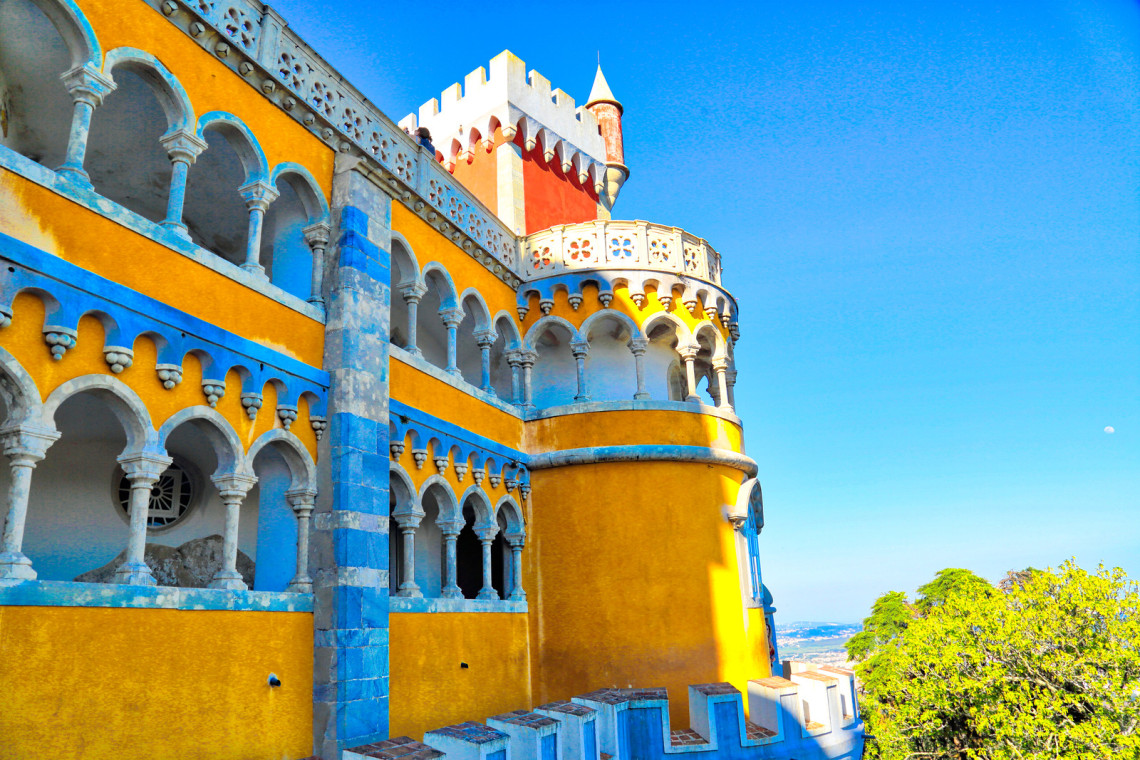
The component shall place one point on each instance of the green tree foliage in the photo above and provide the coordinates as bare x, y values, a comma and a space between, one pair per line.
1045, 665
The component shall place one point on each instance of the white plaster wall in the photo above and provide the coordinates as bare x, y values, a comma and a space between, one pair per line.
658, 359
429, 553
554, 379
610, 370
467, 354
431, 334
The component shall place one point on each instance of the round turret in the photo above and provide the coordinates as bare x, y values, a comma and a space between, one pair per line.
608, 111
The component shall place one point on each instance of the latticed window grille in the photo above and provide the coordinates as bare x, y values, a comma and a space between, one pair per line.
170, 498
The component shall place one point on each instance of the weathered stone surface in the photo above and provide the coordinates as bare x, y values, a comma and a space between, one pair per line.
190, 565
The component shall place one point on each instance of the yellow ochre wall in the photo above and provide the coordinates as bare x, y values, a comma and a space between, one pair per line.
640, 585
631, 567
94, 682
430, 689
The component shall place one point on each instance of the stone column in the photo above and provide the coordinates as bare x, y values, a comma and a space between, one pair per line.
257, 195
450, 530
638, 347
233, 489
143, 469
87, 88
689, 356
408, 522
720, 366
24, 445
183, 147
515, 362
317, 236
451, 319
730, 378
302, 501
412, 293
579, 349
516, 542
485, 339
486, 537
527, 360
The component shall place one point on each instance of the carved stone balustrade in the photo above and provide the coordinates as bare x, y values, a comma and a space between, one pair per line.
611, 244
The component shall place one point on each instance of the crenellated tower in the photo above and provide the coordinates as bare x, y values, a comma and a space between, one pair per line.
526, 150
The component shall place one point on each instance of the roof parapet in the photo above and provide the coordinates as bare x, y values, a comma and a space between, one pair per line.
510, 98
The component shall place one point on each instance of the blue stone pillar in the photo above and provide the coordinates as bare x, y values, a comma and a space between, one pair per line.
350, 536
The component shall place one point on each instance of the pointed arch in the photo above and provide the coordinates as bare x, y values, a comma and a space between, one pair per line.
301, 467
472, 301
18, 390
436, 274
240, 138
123, 402
541, 326
306, 187
168, 90
216, 429
509, 509
440, 484
707, 330
75, 30
405, 258
504, 325
484, 511
609, 315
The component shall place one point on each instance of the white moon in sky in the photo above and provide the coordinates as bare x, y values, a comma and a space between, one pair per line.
1110, 430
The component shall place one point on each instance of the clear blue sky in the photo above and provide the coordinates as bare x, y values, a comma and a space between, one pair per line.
930, 215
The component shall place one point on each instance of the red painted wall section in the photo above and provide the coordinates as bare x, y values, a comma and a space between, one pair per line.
551, 196
480, 175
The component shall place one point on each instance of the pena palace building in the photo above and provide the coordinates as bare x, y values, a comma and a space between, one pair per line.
327, 435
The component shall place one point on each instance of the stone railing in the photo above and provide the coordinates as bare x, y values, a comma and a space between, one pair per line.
617, 245
256, 41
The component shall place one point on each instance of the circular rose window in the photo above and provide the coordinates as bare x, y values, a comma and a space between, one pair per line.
171, 497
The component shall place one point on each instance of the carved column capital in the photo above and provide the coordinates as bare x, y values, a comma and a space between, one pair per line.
487, 533
689, 351
579, 348
234, 485
144, 467
27, 444
485, 338
720, 364
738, 521
86, 85
183, 145
317, 234
412, 292
408, 519
450, 527
302, 500
451, 316
527, 358
638, 346
258, 194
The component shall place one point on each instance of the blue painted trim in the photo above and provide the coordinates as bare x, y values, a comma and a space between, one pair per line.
645, 453
92, 201
403, 604
71, 594
450, 430
133, 314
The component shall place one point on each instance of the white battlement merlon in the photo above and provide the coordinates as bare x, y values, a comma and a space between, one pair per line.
503, 95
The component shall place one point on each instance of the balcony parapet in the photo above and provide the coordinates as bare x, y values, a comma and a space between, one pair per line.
613, 244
